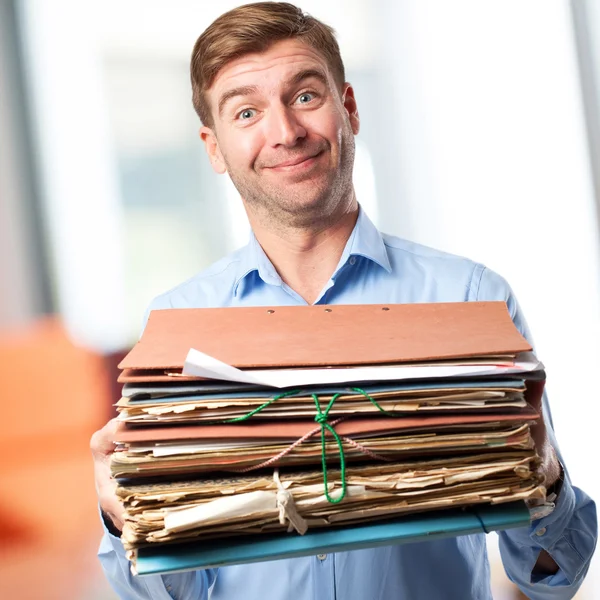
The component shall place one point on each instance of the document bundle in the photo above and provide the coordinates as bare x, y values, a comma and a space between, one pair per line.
255, 433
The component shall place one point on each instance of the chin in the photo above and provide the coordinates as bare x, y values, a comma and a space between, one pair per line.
300, 202
303, 200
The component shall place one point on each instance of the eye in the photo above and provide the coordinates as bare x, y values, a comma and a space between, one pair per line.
246, 114
305, 97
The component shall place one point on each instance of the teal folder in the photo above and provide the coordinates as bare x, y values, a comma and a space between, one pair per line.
415, 528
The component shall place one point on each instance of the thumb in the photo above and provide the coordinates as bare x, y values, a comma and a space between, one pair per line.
102, 443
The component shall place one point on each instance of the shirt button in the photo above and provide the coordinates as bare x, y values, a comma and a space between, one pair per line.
321, 556
352, 260
541, 531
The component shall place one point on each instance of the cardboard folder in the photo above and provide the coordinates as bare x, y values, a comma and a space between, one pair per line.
248, 505
404, 399
428, 526
244, 446
318, 336
292, 430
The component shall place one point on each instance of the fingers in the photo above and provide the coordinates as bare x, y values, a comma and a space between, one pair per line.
539, 435
550, 467
102, 442
102, 447
109, 501
114, 511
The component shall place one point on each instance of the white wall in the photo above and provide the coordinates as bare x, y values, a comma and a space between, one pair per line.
79, 193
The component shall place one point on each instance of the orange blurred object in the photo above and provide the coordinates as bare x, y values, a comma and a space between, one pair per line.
54, 396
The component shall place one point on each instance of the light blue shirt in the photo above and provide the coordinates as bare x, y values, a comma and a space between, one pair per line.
374, 268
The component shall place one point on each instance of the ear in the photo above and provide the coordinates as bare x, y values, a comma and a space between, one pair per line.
207, 135
351, 107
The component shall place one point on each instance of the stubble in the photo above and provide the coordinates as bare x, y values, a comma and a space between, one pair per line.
317, 201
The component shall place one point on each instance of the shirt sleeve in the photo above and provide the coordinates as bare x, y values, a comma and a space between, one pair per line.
570, 532
193, 585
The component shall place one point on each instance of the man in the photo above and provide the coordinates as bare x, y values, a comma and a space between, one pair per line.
278, 116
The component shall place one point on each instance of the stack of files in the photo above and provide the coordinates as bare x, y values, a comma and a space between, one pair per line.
354, 426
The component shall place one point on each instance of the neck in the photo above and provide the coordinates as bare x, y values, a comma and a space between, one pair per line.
306, 257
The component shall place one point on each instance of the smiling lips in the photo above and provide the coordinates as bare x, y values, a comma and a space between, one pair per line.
293, 163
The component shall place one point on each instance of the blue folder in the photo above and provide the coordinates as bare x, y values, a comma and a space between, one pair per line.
415, 528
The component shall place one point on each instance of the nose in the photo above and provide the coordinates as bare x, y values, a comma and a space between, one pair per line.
283, 127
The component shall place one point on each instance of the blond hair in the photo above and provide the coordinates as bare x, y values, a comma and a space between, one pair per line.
254, 28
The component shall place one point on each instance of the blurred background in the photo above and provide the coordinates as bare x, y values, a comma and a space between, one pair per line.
480, 136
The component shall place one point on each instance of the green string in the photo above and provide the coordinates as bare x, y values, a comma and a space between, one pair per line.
258, 409
374, 402
321, 419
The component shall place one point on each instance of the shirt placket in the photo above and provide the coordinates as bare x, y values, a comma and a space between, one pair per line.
324, 577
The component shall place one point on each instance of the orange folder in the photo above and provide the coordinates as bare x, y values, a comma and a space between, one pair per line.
317, 336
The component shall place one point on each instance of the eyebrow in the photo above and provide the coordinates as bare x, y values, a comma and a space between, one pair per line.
247, 90
244, 90
308, 74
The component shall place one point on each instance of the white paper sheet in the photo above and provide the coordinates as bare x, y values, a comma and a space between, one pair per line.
221, 509
198, 364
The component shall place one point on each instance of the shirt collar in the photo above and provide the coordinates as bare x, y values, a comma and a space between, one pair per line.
365, 240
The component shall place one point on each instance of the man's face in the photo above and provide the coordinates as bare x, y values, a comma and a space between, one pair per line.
284, 132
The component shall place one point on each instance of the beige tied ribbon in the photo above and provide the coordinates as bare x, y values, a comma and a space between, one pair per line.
287, 508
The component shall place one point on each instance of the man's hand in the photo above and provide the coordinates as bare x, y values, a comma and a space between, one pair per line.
102, 447
551, 470
550, 466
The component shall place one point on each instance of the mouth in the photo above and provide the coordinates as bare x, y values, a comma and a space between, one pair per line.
295, 164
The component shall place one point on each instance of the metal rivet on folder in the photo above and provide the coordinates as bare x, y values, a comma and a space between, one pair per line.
385, 308
327, 310
270, 311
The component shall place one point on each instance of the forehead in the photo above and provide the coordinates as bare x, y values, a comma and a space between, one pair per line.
269, 68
